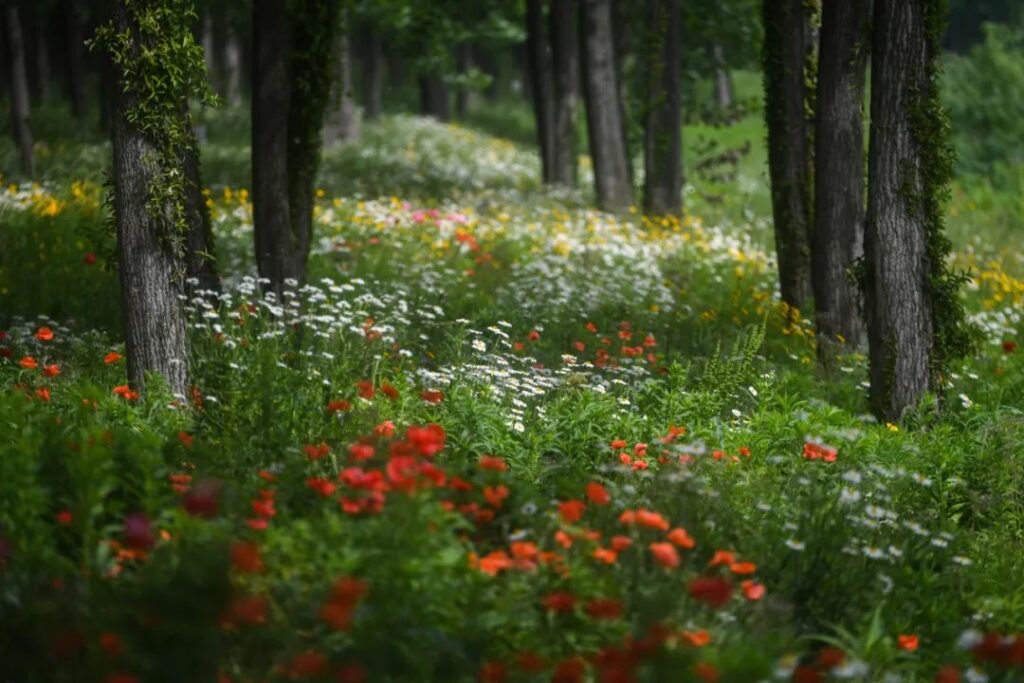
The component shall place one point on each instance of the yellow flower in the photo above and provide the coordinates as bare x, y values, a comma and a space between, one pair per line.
892, 427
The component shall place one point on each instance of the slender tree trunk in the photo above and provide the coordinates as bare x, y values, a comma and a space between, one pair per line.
434, 97
231, 61
785, 50
565, 52
905, 177
200, 261
621, 11
463, 64
539, 66
605, 129
209, 42
839, 175
149, 270
723, 80
373, 75
663, 138
19, 95
277, 245
343, 122
41, 45
75, 59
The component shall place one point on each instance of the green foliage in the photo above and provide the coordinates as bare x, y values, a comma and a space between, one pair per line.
983, 91
159, 69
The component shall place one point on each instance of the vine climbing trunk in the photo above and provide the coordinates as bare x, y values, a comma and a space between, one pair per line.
19, 95
277, 246
539, 66
916, 323
605, 128
663, 149
295, 61
565, 56
839, 174
151, 135
785, 50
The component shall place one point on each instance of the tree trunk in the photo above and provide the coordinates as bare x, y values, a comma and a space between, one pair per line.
434, 97
41, 72
20, 107
621, 11
231, 61
149, 271
200, 261
605, 130
277, 246
75, 58
723, 80
565, 52
209, 42
463, 64
663, 151
373, 75
343, 122
839, 174
785, 49
539, 66
904, 177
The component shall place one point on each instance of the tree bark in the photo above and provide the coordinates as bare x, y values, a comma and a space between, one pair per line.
898, 301
342, 123
373, 75
149, 270
565, 52
75, 59
605, 130
723, 81
539, 66
434, 97
20, 107
200, 261
231, 61
663, 149
785, 50
277, 244
839, 174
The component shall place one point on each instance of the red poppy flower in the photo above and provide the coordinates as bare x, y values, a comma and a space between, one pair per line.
51, 370
428, 440
490, 462
111, 643
604, 608
948, 674
493, 672
908, 642
706, 671
752, 590
620, 543
712, 590
681, 538
805, 674
361, 451
530, 662
597, 494
112, 357
494, 495
44, 334
246, 557
830, 657
651, 520
388, 390
64, 517
559, 602
89, 258
1009, 346
338, 405
432, 395
569, 671
28, 363
308, 664
365, 389
250, 610
572, 510
665, 554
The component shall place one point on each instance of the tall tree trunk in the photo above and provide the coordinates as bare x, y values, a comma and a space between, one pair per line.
663, 138
41, 51
463, 64
342, 123
200, 261
911, 302
209, 30
565, 52
74, 55
605, 130
373, 75
839, 173
19, 95
277, 246
148, 266
231, 62
539, 66
723, 80
786, 98
621, 11
434, 97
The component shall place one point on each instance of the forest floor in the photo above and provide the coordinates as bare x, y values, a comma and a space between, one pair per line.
497, 436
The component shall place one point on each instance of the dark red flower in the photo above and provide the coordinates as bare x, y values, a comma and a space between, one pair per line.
712, 590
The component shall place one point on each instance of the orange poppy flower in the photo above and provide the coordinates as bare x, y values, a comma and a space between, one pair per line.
722, 557
28, 363
681, 538
597, 494
908, 642
696, 638
743, 568
572, 510
665, 554
112, 357
44, 334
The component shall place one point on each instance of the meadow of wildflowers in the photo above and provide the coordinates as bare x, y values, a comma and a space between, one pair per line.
497, 436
